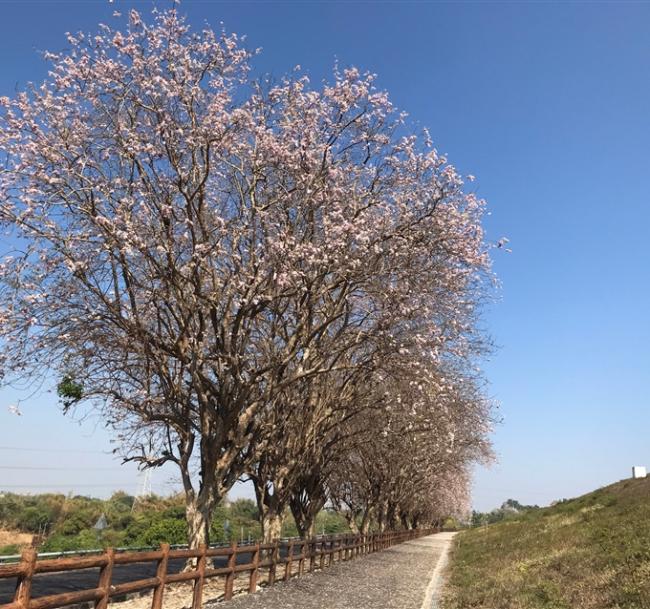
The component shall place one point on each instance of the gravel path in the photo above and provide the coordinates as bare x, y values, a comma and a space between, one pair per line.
401, 577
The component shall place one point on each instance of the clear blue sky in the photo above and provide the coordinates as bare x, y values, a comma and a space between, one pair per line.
548, 104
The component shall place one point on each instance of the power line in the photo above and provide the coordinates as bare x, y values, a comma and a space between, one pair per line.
69, 486
55, 450
37, 468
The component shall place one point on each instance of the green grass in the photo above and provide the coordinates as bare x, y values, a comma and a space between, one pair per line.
592, 552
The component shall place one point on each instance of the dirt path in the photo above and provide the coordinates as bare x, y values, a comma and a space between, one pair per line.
443, 541
405, 576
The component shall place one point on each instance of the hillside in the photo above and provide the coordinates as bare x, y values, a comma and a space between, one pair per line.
592, 552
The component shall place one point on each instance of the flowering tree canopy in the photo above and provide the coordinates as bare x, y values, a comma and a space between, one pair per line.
191, 246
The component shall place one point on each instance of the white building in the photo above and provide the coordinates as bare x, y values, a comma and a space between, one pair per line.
638, 471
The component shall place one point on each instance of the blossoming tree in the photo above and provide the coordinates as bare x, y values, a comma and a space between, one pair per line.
187, 245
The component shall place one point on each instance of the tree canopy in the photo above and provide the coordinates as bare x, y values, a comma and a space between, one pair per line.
237, 273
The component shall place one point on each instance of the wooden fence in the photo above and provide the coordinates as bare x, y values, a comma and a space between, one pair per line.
280, 560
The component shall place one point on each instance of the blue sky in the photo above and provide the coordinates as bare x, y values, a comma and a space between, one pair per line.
547, 104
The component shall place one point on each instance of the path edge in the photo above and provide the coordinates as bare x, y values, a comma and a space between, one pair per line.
430, 592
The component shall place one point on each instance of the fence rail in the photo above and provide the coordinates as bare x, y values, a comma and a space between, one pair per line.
9, 558
280, 560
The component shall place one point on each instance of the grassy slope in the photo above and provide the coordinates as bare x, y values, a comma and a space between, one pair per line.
592, 552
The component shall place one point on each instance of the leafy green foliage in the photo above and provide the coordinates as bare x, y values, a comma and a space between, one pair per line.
69, 391
170, 530
66, 523
244, 509
508, 509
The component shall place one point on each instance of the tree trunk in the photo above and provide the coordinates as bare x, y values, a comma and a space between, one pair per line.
271, 526
307, 500
382, 516
198, 513
311, 529
301, 520
365, 521
350, 517
304, 513
392, 516
271, 502
198, 524
199, 507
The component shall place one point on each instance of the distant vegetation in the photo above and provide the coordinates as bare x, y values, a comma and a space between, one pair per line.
592, 552
509, 508
62, 523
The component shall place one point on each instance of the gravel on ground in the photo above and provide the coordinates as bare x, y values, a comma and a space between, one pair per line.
401, 577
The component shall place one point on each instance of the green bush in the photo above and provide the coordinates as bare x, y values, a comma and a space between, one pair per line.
147, 522
34, 519
84, 540
244, 509
169, 530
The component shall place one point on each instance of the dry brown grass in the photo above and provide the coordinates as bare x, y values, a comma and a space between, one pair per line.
10, 538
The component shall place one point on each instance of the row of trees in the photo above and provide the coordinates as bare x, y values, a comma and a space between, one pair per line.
247, 279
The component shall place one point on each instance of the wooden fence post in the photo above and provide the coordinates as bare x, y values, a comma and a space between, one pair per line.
252, 582
105, 575
312, 555
274, 562
230, 576
161, 574
323, 547
23, 592
287, 569
301, 562
197, 596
